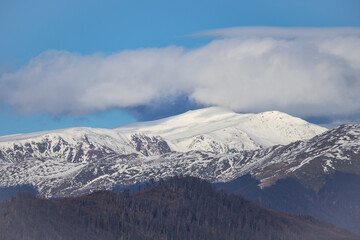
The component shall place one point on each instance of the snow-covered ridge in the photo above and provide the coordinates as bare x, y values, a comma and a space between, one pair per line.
309, 161
224, 129
211, 129
79, 145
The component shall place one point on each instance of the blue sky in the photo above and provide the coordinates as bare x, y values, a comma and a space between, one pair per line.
104, 28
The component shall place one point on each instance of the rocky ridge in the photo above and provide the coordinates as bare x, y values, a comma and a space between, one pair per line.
309, 161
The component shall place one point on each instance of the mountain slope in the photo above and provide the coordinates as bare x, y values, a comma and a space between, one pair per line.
184, 208
211, 129
337, 201
312, 160
307, 161
78, 145
220, 130
301, 177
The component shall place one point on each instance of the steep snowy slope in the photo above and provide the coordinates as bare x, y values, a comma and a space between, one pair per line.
311, 161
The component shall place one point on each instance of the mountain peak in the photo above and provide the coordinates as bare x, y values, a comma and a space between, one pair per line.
209, 128
212, 129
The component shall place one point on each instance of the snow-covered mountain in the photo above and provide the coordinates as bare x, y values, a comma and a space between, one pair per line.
319, 177
308, 161
299, 166
220, 130
212, 143
211, 129
78, 145
311, 161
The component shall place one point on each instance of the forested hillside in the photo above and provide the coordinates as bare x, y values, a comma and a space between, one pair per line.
179, 208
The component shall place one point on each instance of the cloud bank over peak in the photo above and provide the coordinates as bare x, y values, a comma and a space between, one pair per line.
301, 71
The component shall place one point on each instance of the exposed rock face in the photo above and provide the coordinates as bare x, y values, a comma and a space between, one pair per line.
149, 145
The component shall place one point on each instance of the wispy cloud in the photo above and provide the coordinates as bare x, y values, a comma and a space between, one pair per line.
281, 32
302, 71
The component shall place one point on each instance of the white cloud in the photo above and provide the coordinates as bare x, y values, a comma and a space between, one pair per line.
302, 71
